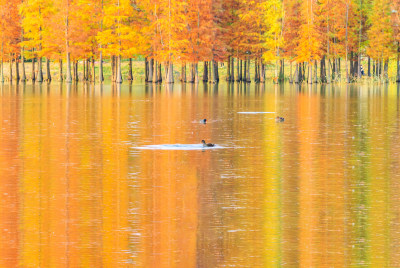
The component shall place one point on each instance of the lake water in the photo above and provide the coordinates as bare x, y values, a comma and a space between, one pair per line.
102, 176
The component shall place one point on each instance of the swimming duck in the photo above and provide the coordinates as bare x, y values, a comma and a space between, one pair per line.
207, 144
279, 119
203, 121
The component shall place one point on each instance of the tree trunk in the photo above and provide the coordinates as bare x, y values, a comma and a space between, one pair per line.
119, 71
238, 70
310, 71
191, 73
101, 76
68, 77
248, 71
233, 69
130, 72
296, 74
228, 72
183, 74
205, 72
385, 70
255, 71
155, 72
216, 71
327, 66
322, 73
150, 69
159, 73
240, 78
84, 70
170, 75
60, 70
316, 72
93, 71
23, 76
76, 71
146, 70
48, 70
11, 72
245, 70
262, 72
196, 73
16, 69
88, 69
369, 67
114, 68
210, 72
281, 76
33, 70
40, 70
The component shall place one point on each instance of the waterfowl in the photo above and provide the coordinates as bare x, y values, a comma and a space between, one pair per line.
279, 119
207, 144
203, 121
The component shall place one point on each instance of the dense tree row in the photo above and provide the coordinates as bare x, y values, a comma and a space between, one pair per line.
316, 38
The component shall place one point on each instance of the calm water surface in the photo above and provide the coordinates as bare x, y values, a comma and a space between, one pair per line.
321, 189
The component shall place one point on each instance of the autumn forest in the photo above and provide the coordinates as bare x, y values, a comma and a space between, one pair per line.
307, 41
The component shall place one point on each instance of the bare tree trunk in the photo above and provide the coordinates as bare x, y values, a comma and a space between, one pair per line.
244, 78
238, 78
155, 72
23, 76
33, 69
93, 70
48, 70
322, 74
262, 73
228, 73
159, 73
241, 71
296, 74
183, 74
150, 70
84, 70
40, 70
205, 72
101, 76
281, 76
386, 69
60, 70
316, 72
170, 76
233, 69
130, 72
369, 67
210, 72
255, 71
11, 72
310, 71
146, 70
113, 71
16, 69
119, 71
216, 71
196, 72
248, 71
